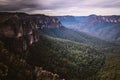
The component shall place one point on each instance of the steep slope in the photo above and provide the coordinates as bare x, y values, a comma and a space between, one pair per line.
104, 27
17, 33
71, 60
26, 46
44, 21
13, 66
73, 35
52, 26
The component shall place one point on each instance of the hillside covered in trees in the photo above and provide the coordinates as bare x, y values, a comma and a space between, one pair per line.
39, 47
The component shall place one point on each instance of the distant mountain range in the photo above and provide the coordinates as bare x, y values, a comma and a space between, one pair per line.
66, 47
20, 30
103, 27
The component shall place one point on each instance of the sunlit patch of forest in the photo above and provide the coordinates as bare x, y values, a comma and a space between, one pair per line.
71, 60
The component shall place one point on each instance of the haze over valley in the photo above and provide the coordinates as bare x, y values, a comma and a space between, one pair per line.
59, 40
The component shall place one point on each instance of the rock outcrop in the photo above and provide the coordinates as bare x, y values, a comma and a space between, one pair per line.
46, 22
109, 19
18, 31
103, 27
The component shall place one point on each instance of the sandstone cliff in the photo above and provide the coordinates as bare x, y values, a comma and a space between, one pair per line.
19, 32
103, 27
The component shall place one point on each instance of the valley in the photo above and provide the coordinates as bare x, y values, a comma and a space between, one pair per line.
40, 47
103, 27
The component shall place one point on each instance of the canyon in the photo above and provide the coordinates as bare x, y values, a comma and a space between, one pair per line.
103, 27
41, 47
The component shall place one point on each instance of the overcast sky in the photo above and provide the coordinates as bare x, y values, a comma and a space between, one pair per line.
63, 7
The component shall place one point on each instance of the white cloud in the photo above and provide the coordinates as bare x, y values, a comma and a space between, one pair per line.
63, 7
79, 11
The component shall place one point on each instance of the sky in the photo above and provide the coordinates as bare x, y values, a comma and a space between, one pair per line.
62, 7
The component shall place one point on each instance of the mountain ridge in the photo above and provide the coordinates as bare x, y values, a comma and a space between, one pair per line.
29, 43
103, 27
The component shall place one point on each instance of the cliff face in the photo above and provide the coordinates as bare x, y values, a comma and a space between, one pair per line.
104, 27
109, 19
18, 32
92, 18
46, 22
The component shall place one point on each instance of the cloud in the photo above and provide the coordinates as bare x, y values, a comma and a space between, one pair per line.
14, 5
61, 6
77, 11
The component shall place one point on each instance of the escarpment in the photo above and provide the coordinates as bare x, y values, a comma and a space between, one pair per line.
103, 27
18, 32
46, 22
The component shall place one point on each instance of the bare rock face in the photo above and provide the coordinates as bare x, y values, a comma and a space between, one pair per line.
108, 19
103, 27
19, 32
46, 22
